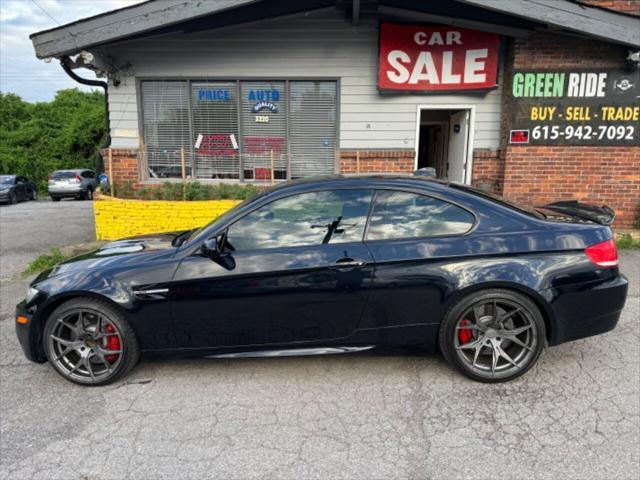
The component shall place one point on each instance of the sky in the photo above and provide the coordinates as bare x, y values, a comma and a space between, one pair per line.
20, 71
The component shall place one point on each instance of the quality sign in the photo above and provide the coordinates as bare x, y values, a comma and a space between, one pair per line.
436, 59
575, 107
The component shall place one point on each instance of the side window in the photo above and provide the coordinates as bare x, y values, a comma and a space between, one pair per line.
313, 218
88, 174
408, 215
20, 180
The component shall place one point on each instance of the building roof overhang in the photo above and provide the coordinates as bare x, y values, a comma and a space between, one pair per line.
513, 18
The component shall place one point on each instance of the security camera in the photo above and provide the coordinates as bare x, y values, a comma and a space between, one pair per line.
632, 61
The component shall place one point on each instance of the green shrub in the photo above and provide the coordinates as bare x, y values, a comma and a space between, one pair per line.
184, 191
626, 241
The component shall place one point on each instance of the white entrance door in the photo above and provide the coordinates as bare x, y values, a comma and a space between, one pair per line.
458, 144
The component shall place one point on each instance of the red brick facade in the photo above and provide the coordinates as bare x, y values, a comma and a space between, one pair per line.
377, 161
125, 165
631, 7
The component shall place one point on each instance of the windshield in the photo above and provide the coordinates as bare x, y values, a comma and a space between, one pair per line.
501, 200
7, 179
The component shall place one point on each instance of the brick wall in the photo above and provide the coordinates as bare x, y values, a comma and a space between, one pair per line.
125, 165
377, 161
631, 7
488, 168
595, 174
598, 175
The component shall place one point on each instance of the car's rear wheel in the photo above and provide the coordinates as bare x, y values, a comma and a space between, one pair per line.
88, 342
55, 199
88, 194
493, 335
33, 194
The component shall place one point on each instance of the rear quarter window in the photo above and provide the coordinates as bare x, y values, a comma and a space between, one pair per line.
398, 215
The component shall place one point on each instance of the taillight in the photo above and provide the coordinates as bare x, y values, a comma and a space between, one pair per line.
78, 179
603, 254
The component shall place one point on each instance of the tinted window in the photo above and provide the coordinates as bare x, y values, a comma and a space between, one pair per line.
62, 175
88, 174
408, 215
305, 219
7, 179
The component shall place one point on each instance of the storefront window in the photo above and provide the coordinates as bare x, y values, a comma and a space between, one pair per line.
253, 131
166, 127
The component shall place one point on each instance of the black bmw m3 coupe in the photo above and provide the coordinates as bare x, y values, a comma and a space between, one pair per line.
337, 265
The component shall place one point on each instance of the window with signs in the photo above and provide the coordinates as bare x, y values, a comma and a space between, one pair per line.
255, 131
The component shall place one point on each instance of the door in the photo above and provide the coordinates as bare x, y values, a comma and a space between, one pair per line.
294, 270
412, 238
458, 144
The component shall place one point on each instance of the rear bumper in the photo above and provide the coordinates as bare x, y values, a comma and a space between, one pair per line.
67, 191
586, 310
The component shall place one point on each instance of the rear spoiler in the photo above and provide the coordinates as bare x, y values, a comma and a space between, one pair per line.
602, 215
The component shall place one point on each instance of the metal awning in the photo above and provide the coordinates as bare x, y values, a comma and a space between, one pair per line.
516, 18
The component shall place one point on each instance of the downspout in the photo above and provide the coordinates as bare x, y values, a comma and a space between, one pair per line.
65, 62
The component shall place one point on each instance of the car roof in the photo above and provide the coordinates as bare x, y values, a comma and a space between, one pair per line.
73, 170
365, 181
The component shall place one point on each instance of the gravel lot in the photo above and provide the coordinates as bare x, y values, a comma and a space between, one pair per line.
577, 415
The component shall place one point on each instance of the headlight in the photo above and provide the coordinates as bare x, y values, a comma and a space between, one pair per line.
31, 293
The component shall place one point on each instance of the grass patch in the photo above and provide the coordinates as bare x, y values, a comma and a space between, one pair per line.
45, 262
626, 242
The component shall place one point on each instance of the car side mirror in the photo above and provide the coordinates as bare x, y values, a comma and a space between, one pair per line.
212, 248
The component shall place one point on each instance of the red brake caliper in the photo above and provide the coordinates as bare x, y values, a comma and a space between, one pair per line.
465, 334
113, 343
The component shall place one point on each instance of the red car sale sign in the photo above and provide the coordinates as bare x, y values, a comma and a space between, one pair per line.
436, 59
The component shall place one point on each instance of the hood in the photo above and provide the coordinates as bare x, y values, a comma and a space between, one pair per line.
124, 253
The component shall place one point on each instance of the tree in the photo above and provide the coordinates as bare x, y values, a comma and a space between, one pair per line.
38, 138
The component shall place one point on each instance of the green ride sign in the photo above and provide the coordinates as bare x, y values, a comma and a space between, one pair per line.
570, 107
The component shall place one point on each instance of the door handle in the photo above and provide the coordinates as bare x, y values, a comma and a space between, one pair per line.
348, 263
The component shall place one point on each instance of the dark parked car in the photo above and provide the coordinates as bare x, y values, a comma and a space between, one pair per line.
337, 265
78, 183
16, 188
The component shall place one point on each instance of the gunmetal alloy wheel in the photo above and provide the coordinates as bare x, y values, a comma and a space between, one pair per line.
493, 336
88, 342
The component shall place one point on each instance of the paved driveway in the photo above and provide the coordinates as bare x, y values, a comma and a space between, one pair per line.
577, 415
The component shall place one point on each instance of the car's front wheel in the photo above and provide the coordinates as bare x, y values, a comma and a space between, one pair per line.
89, 342
493, 335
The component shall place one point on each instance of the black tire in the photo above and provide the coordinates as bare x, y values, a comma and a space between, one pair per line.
461, 357
127, 356
33, 195
88, 194
13, 198
55, 199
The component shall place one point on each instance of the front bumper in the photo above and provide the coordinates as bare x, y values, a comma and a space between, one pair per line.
27, 337
4, 196
586, 310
